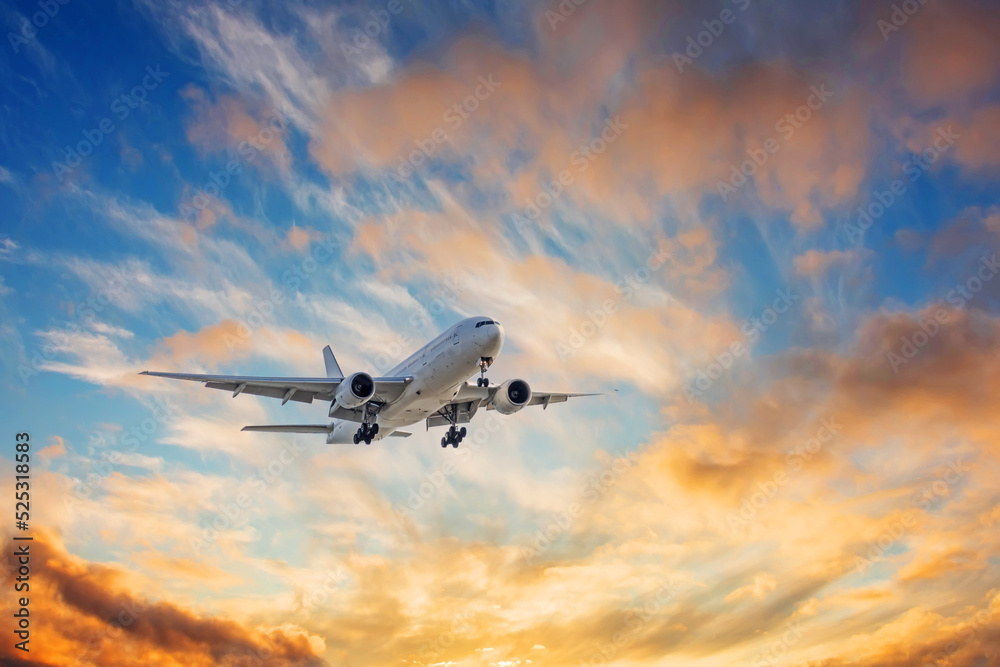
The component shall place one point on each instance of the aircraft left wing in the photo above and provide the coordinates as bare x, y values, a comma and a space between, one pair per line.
303, 390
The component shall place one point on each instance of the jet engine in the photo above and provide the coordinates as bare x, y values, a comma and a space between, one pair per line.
511, 396
353, 392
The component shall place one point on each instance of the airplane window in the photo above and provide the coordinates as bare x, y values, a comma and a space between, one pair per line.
484, 322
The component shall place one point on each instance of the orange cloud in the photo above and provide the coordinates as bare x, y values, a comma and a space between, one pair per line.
227, 124
210, 345
675, 133
83, 611
56, 448
951, 52
818, 262
299, 238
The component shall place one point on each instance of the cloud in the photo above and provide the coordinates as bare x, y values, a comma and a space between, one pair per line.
55, 449
818, 262
951, 53
227, 124
85, 609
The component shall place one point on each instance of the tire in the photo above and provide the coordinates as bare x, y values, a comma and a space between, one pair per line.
462, 432
444, 442
356, 439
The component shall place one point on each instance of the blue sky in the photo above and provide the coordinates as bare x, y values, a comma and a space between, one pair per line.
261, 180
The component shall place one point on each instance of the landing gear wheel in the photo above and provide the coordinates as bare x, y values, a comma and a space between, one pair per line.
374, 429
486, 382
461, 433
479, 382
444, 442
356, 438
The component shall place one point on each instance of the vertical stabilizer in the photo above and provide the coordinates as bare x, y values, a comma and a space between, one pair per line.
332, 367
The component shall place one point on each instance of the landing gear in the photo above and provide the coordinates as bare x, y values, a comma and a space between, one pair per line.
366, 433
484, 363
454, 436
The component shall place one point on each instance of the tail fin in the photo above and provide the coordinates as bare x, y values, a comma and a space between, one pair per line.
332, 367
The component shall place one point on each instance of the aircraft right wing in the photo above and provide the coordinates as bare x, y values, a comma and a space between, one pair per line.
303, 390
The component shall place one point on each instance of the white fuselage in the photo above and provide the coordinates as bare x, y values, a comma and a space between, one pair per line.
439, 370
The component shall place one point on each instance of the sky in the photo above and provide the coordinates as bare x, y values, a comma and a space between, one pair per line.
765, 232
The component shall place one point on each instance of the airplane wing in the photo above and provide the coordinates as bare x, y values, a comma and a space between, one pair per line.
290, 428
543, 399
303, 390
470, 399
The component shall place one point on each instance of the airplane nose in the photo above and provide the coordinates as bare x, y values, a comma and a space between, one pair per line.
495, 335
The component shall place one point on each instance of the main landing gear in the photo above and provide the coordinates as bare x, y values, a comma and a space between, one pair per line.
454, 437
366, 433
483, 381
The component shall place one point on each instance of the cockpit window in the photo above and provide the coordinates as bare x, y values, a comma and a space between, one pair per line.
485, 322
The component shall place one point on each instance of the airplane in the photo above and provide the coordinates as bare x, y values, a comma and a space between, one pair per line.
430, 385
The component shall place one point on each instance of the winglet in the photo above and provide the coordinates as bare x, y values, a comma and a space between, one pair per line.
332, 367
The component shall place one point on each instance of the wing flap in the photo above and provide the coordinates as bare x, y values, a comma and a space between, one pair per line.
290, 428
271, 392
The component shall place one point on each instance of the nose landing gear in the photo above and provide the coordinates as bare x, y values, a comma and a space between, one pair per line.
454, 437
484, 363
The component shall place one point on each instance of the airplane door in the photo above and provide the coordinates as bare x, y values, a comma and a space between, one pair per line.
455, 337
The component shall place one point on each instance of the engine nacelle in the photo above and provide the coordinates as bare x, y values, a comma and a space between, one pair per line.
356, 390
511, 396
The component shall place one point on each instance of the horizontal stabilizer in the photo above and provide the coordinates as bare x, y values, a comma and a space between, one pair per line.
291, 428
